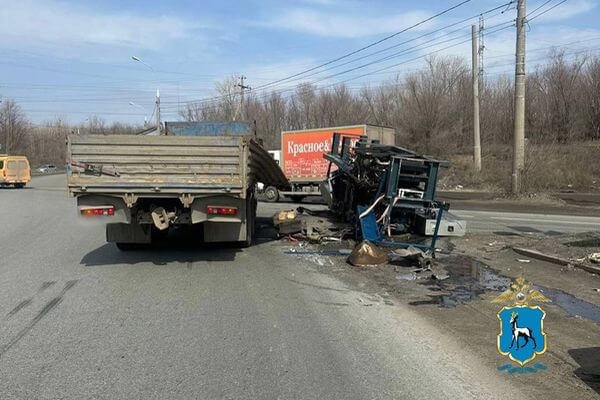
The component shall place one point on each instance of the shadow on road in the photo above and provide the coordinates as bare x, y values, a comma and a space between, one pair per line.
16, 188
589, 366
181, 246
159, 254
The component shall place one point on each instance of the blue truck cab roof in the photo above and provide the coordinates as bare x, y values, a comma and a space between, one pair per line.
206, 128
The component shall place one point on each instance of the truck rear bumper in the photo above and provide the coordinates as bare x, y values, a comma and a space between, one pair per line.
134, 224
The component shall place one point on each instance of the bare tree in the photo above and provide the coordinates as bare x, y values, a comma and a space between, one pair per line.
95, 125
591, 105
274, 110
554, 98
429, 99
13, 127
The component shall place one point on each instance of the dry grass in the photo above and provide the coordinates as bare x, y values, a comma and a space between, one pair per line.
548, 168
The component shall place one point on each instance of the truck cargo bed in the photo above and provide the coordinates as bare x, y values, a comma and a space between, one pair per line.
143, 165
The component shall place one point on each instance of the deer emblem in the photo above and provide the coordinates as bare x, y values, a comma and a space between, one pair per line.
517, 332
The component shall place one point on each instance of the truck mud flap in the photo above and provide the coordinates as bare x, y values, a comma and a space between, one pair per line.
128, 233
224, 231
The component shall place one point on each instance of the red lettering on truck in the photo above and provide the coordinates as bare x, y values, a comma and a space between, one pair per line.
302, 152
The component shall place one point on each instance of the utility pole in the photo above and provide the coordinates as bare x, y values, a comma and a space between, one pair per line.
242, 90
158, 127
519, 132
481, 48
475, 77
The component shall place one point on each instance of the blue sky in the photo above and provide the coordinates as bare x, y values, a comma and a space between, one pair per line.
72, 59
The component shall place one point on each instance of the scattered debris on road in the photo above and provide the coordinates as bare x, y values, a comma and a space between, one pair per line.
366, 254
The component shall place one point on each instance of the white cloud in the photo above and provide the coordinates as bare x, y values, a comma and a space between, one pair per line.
336, 24
32, 21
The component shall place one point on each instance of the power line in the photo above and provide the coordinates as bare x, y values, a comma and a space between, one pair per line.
545, 11
406, 42
546, 48
210, 102
367, 46
297, 75
90, 100
386, 58
573, 53
391, 56
534, 11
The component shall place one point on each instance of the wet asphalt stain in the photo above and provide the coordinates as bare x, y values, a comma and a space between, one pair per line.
28, 301
46, 285
525, 229
506, 233
49, 306
316, 286
68, 286
593, 242
332, 303
19, 307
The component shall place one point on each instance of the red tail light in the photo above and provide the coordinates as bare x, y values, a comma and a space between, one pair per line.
106, 211
219, 210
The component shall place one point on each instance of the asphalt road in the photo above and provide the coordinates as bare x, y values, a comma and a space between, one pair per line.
82, 320
525, 223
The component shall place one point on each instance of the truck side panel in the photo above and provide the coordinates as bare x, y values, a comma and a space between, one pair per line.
157, 164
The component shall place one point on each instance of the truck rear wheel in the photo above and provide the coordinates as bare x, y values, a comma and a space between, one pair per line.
19, 185
271, 194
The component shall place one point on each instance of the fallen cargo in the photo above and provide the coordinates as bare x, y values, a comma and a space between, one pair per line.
386, 191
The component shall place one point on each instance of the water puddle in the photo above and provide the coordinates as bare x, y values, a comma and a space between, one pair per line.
571, 304
468, 279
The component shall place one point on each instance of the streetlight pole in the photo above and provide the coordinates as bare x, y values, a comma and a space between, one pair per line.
131, 103
157, 111
134, 58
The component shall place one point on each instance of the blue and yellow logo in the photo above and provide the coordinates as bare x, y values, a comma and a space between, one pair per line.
521, 335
